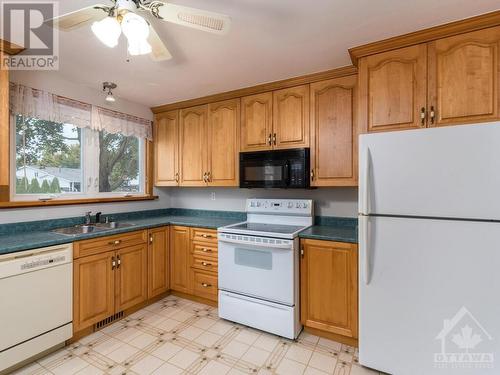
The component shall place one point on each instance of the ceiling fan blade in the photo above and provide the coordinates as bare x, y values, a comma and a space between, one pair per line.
194, 18
79, 18
160, 51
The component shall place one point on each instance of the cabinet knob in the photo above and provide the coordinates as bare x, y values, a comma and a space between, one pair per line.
269, 139
274, 139
312, 174
115, 242
432, 115
150, 240
118, 261
113, 263
422, 116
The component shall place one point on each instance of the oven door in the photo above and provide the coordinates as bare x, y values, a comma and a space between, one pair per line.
261, 270
265, 173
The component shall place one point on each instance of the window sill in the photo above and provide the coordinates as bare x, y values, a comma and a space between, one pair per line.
64, 202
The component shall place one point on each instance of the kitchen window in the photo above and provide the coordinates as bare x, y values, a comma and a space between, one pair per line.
76, 152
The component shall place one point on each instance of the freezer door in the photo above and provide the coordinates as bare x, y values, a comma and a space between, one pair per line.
451, 172
429, 303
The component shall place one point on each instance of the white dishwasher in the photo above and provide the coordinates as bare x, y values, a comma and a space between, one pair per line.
36, 299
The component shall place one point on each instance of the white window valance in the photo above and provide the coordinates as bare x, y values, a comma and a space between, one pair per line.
30, 102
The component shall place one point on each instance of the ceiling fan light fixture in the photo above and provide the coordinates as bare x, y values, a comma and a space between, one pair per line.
139, 47
108, 31
136, 29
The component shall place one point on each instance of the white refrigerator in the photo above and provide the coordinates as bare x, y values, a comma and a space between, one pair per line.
429, 246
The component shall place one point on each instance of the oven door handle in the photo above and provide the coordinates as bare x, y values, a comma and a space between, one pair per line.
263, 246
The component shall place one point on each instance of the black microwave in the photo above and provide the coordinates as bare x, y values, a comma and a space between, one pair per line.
275, 169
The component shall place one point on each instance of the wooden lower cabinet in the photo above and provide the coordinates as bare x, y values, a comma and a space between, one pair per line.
120, 272
179, 259
93, 289
158, 261
131, 283
329, 287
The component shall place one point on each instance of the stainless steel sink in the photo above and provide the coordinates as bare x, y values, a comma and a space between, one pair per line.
92, 228
113, 225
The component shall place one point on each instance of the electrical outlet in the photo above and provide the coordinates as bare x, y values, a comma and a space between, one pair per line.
212, 195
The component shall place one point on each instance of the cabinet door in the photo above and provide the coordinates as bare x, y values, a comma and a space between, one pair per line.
463, 77
334, 132
158, 262
193, 146
256, 122
131, 276
94, 288
223, 143
291, 117
166, 144
329, 287
179, 259
392, 89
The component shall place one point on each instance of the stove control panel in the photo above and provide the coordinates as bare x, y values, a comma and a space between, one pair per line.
302, 207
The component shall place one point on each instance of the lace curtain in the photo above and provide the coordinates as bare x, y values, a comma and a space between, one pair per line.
29, 102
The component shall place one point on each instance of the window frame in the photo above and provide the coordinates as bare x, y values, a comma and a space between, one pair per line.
90, 169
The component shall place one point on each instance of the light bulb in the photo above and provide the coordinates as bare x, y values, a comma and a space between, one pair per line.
107, 31
110, 98
136, 29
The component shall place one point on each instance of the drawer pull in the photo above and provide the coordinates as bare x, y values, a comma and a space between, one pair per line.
205, 250
206, 235
113, 263
115, 242
206, 264
205, 285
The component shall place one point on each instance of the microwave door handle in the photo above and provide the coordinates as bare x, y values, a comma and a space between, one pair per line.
287, 174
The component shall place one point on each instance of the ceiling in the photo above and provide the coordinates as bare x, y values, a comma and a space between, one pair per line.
269, 40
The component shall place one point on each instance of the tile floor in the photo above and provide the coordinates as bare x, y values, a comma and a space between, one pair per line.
177, 336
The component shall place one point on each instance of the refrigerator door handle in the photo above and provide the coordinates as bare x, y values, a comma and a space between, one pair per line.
365, 195
365, 248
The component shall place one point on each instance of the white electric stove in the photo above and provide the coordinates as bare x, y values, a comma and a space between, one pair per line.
259, 265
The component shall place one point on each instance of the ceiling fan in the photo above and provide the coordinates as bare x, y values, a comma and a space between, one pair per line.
125, 16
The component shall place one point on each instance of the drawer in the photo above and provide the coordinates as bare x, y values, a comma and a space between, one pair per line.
205, 285
108, 243
204, 235
206, 264
205, 250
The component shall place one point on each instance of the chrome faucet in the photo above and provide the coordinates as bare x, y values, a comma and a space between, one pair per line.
88, 219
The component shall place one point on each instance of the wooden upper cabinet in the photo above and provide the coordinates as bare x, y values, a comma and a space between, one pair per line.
256, 122
131, 276
393, 89
334, 132
291, 117
93, 289
158, 262
193, 146
329, 287
166, 145
463, 77
223, 143
179, 259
